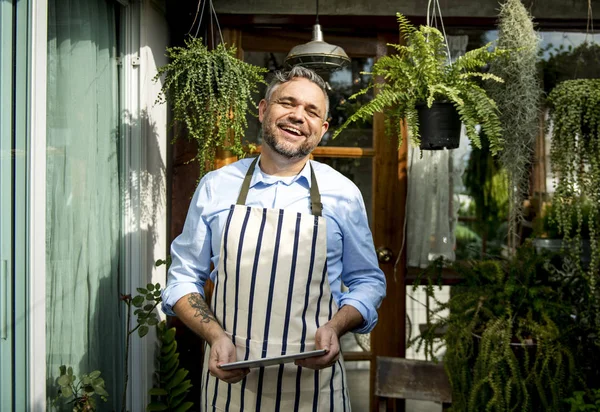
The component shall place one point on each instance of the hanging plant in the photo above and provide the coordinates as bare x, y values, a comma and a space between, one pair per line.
210, 92
518, 100
421, 75
575, 161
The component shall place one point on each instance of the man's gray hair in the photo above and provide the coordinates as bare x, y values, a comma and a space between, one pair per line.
298, 71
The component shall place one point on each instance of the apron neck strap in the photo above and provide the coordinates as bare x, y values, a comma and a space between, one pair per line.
315, 195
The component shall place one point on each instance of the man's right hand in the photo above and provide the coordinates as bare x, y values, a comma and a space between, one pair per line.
222, 351
195, 313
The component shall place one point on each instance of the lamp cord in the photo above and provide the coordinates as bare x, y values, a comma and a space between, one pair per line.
317, 21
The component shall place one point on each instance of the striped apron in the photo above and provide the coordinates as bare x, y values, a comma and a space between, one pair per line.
270, 295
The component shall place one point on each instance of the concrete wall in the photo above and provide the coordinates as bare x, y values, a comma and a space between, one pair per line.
541, 9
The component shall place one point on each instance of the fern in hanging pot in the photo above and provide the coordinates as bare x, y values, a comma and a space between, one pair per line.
210, 93
575, 161
418, 83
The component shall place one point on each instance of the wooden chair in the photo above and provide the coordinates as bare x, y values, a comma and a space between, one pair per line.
399, 378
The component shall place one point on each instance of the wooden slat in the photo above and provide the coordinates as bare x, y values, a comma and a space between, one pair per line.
412, 379
389, 197
357, 356
330, 151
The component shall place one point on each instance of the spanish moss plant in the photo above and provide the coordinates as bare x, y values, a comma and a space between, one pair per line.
518, 100
210, 92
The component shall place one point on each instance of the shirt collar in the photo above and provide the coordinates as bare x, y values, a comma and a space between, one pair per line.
260, 177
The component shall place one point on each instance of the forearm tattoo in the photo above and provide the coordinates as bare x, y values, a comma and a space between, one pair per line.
202, 310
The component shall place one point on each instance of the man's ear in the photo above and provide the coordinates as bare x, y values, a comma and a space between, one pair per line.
324, 128
262, 107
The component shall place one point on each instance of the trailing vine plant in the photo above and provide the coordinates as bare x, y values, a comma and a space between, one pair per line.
518, 100
575, 162
420, 73
210, 93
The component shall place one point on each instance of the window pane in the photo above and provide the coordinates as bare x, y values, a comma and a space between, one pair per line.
359, 384
360, 171
84, 326
344, 83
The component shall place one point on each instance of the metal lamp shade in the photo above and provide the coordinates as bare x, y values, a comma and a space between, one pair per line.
317, 54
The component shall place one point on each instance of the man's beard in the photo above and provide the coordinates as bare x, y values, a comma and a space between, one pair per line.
287, 150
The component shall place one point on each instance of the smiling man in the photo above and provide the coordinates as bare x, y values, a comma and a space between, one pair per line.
283, 234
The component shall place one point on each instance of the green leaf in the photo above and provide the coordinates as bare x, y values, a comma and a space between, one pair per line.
63, 369
157, 293
152, 321
157, 285
169, 335
148, 307
85, 380
70, 371
150, 296
101, 391
141, 290
156, 406
177, 379
177, 400
169, 372
169, 347
169, 364
184, 407
158, 392
143, 331
138, 301
88, 388
63, 380
66, 391
94, 375
181, 388
150, 287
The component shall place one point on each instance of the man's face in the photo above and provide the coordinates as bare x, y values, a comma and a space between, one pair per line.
293, 121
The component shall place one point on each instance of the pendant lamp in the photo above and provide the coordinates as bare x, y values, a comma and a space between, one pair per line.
317, 54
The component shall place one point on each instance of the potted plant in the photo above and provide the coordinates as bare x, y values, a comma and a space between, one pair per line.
507, 334
519, 103
569, 63
575, 161
210, 92
419, 84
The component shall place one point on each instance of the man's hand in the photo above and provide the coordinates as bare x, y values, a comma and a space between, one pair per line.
222, 351
328, 337
325, 338
195, 313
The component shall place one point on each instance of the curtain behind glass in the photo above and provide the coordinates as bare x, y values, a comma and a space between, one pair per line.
84, 326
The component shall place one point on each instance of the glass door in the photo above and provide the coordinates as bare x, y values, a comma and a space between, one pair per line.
6, 203
83, 196
13, 86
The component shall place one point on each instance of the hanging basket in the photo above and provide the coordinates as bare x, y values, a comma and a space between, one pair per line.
439, 126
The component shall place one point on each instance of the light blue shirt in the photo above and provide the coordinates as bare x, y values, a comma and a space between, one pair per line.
351, 257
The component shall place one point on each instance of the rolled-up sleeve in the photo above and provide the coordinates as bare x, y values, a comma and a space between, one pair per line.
190, 252
360, 270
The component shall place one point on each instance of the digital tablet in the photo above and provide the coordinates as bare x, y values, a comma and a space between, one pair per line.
276, 360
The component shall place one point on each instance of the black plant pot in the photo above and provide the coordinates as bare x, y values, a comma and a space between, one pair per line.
439, 126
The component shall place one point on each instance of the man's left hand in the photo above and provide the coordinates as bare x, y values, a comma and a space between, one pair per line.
325, 338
